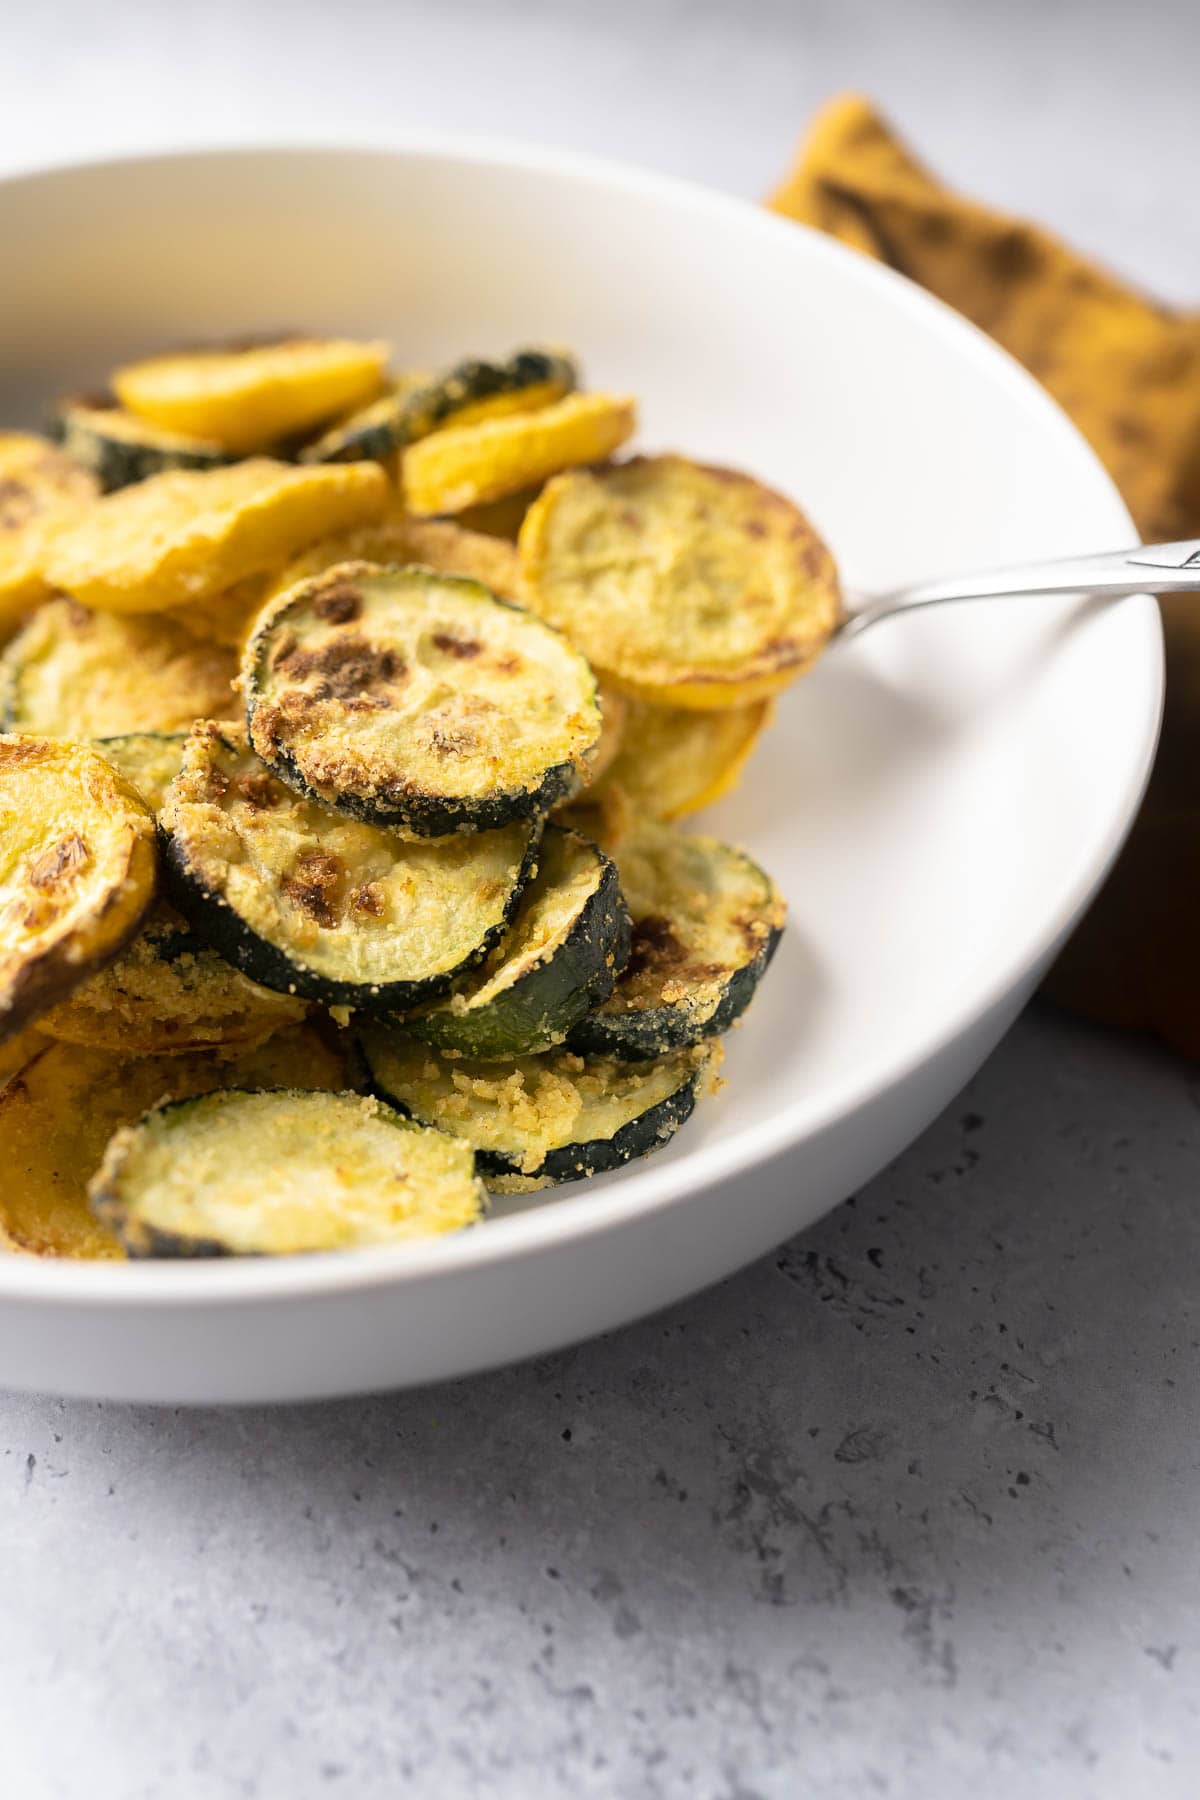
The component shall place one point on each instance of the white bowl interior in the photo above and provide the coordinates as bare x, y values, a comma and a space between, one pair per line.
937, 800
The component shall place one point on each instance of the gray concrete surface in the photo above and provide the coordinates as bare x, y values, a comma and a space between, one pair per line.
909, 1508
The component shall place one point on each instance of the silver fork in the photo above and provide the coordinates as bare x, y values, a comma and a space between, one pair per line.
1145, 569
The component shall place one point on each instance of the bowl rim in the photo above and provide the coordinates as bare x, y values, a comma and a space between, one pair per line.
653, 1186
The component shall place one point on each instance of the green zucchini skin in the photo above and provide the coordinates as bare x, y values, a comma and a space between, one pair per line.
642, 1036
640, 1136
370, 435
389, 424
229, 934
427, 816
539, 1008
121, 454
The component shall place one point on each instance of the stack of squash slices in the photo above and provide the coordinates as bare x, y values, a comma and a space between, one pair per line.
348, 715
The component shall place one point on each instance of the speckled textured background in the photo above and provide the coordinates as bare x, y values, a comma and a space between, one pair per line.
909, 1508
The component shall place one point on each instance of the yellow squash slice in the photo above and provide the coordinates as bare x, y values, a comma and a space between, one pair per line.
674, 761
40, 489
189, 534
247, 400
467, 464
614, 712
691, 586
77, 871
58, 1114
80, 674
434, 543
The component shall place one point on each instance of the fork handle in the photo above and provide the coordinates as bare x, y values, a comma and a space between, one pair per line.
1144, 569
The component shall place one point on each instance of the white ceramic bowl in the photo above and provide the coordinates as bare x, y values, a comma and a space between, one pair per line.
939, 801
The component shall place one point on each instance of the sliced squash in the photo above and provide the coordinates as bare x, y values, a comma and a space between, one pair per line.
148, 760
706, 922
191, 533
248, 399
371, 433
691, 586
467, 464
470, 391
169, 991
79, 674
419, 700
278, 1174
675, 761
311, 903
58, 1114
501, 518
77, 871
556, 1117
226, 618
614, 711
434, 543
40, 489
120, 449
559, 959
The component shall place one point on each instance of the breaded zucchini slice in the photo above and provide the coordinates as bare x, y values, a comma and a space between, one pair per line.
40, 489
467, 464
691, 586
58, 1114
409, 698
706, 923
470, 391
121, 449
248, 399
556, 1117
169, 991
79, 674
77, 871
559, 959
434, 543
281, 1173
191, 533
149, 761
311, 903
676, 761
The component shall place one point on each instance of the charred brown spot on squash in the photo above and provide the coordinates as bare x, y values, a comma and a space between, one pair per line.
257, 789
339, 606
65, 859
313, 886
344, 667
462, 648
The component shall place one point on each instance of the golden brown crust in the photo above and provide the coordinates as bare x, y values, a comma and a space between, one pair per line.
77, 871
75, 673
41, 488
690, 585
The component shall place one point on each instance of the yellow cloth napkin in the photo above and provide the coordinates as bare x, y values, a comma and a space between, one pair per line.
1128, 372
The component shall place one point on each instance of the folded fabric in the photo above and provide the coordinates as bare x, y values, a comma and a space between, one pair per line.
1128, 373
